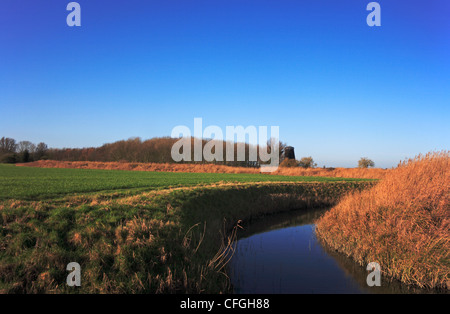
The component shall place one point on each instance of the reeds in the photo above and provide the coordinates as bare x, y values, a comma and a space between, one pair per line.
403, 222
372, 173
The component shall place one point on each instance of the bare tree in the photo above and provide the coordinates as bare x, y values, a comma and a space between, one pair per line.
281, 147
41, 150
8, 145
26, 146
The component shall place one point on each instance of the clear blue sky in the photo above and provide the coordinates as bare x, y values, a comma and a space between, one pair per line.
337, 88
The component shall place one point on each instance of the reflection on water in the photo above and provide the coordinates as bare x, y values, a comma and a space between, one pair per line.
281, 254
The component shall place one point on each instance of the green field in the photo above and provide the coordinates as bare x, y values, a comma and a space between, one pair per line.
29, 183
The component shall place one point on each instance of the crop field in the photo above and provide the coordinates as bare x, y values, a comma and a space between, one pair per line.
28, 183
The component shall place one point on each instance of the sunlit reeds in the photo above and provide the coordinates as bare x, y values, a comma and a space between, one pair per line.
371, 173
403, 222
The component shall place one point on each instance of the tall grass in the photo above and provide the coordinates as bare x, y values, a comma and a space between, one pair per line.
374, 173
403, 222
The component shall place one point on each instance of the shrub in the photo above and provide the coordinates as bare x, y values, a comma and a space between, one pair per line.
289, 163
307, 162
365, 162
11, 158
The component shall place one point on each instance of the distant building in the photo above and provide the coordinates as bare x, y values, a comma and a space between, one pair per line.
289, 152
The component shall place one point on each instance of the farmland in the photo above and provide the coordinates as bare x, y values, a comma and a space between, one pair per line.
41, 183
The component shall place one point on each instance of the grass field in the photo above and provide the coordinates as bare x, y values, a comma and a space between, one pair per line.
42, 183
137, 232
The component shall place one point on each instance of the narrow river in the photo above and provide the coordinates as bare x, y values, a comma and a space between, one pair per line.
281, 254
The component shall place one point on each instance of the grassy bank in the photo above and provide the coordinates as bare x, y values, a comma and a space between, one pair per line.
403, 223
158, 241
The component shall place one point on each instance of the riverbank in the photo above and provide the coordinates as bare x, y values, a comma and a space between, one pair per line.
402, 223
164, 241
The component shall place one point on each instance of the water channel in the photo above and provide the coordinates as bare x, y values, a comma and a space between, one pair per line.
281, 254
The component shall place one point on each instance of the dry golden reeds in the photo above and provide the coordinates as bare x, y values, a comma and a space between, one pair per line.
403, 222
372, 173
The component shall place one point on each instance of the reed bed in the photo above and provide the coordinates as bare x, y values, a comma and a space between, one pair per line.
369, 173
403, 223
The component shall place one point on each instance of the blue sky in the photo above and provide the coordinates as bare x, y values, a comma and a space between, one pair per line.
337, 88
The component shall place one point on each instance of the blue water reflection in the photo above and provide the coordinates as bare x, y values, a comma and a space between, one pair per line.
282, 254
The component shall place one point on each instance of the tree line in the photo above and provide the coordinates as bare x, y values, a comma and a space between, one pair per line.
156, 150
23, 151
